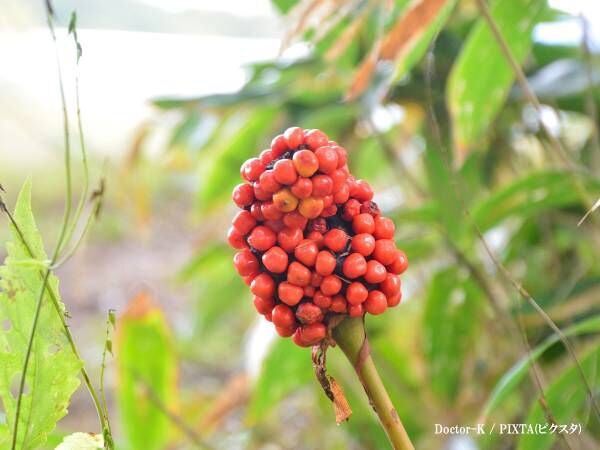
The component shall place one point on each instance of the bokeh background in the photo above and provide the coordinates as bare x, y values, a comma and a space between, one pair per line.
176, 94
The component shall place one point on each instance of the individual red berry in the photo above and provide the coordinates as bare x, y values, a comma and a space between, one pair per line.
309, 291
275, 225
356, 310
322, 300
275, 260
263, 305
298, 274
325, 263
252, 169
339, 178
356, 293
319, 224
270, 211
285, 201
354, 266
311, 207
260, 193
328, 159
338, 304
302, 188
266, 156
385, 251
342, 156
342, 194
305, 162
244, 222
298, 339
391, 285
329, 211
285, 172
289, 238
263, 286
363, 243
351, 209
384, 228
370, 207
400, 263
331, 285
246, 263
335, 239
314, 333
289, 294
306, 252
294, 137
248, 279
268, 183
394, 300
309, 313
278, 146
294, 219
376, 303
243, 195
327, 201
315, 139
256, 211
316, 237
363, 223
262, 238
316, 279
322, 185
283, 316
285, 332
362, 191
236, 239
376, 272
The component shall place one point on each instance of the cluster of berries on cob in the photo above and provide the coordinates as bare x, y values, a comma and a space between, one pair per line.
312, 243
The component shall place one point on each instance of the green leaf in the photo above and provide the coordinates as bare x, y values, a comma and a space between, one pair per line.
147, 374
451, 317
52, 376
511, 379
286, 369
529, 196
567, 399
481, 77
221, 167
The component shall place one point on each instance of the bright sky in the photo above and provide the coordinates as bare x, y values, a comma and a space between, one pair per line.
241, 7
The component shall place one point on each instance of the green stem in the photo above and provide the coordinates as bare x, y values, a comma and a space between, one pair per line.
351, 337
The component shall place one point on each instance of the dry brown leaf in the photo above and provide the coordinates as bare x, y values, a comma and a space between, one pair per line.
409, 27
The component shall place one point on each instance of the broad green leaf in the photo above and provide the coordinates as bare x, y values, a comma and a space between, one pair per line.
221, 168
481, 77
147, 375
286, 369
567, 399
52, 376
451, 318
529, 196
511, 379
284, 5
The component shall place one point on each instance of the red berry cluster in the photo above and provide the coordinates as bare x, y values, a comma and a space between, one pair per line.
312, 243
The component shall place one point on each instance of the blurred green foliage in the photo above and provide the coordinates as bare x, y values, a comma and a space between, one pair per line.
449, 143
